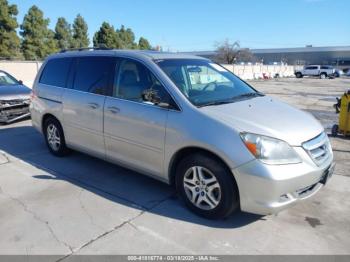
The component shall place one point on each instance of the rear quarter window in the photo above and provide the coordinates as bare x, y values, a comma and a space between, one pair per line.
56, 72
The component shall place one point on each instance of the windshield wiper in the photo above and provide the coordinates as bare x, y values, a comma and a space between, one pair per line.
215, 103
248, 95
232, 99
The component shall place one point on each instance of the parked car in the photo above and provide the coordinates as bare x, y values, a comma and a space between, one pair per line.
338, 72
322, 71
14, 99
347, 73
186, 121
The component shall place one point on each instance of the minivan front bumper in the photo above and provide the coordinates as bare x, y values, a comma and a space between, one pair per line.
267, 189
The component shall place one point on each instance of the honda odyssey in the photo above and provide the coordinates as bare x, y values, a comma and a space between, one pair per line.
186, 121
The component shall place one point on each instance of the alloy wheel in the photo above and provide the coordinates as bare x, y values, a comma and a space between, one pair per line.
53, 137
202, 188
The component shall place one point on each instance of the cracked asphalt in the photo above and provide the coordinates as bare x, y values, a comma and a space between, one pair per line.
82, 205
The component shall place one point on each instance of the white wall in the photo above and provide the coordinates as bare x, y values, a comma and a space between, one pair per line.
22, 70
27, 70
258, 71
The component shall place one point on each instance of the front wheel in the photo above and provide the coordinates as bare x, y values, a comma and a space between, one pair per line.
207, 187
323, 76
298, 75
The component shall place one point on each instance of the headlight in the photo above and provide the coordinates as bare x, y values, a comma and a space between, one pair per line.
270, 150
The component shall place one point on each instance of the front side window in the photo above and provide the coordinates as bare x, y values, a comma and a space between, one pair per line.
55, 72
93, 74
6, 79
133, 79
205, 83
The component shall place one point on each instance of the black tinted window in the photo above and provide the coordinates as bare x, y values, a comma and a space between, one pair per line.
311, 67
55, 72
133, 79
93, 74
325, 67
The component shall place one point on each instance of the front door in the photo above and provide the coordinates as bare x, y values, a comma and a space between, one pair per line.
134, 129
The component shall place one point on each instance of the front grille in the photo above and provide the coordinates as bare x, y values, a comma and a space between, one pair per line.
318, 148
14, 102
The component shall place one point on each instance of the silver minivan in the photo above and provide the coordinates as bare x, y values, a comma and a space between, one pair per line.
186, 121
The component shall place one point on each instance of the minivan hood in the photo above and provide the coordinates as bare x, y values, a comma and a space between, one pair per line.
12, 92
267, 116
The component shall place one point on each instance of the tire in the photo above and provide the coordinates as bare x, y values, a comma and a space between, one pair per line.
57, 143
323, 75
215, 199
299, 75
335, 129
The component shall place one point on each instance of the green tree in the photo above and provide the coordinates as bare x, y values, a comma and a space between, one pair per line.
126, 38
63, 33
9, 41
80, 33
107, 36
38, 41
144, 44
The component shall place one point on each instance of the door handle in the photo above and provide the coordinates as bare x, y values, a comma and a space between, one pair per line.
93, 105
113, 109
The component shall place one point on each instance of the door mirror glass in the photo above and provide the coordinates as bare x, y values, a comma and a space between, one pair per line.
152, 96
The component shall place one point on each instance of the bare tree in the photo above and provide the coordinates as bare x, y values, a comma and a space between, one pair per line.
229, 53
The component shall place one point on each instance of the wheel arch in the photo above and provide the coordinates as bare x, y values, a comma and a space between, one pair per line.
45, 117
183, 152
298, 74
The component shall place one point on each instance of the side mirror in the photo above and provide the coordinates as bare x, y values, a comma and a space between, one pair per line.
151, 95
20, 82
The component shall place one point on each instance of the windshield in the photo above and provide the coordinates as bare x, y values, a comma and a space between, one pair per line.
6, 79
205, 83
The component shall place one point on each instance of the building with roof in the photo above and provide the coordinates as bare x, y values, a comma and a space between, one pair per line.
333, 55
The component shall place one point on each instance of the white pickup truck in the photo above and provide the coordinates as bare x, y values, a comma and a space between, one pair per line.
322, 71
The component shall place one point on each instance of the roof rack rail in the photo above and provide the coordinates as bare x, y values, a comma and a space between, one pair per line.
85, 48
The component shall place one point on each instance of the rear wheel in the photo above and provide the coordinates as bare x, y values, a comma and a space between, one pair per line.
206, 186
299, 75
323, 76
54, 137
